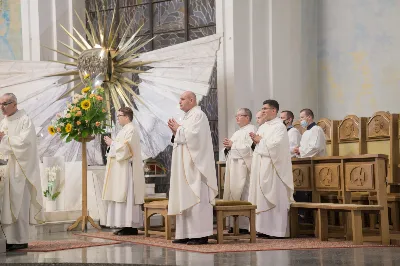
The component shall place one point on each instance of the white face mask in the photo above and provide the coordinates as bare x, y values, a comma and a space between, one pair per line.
304, 123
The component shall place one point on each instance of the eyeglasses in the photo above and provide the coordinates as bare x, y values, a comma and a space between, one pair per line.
240, 115
120, 115
6, 103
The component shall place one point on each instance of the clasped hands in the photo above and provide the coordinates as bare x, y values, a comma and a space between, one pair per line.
227, 143
296, 150
256, 138
173, 125
107, 140
2, 134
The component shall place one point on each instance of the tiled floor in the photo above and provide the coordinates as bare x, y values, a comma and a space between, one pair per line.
132, 254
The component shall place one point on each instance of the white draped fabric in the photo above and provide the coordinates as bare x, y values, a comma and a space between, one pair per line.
126, 214
174, 69
196, 221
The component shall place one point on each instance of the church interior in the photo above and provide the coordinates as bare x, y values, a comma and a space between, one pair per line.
333, 62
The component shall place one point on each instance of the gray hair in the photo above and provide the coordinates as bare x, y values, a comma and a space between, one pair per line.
11, 96
246, 112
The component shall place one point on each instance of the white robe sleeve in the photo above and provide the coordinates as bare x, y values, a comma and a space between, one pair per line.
111, 151
180, 136
121, 148
314, 145
20, 142
294, 140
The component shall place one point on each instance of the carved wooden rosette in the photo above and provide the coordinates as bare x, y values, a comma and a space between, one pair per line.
349, 129
301, 177
378, 126
299, 127
326, 126
359, 177
327, 177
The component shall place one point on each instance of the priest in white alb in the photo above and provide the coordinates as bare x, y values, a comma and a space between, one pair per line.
22, 197
271, 179
193, 184
238, 150
124, 184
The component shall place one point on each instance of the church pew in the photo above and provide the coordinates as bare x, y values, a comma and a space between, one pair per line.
342, 174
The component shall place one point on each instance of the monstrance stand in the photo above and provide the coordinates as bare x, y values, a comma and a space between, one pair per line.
85, 217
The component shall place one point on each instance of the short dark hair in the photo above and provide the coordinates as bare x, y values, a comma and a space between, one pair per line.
308, 112
127, 111
272, 103
289, 114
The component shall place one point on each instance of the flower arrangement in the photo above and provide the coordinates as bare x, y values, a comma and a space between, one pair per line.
51, 174
85, 116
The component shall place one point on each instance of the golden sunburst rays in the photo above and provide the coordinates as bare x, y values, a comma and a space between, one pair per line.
99, 56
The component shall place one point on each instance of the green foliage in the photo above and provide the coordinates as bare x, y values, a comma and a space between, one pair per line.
85, 116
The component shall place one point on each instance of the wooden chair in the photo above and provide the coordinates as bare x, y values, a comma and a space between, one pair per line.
157, 207
226, 208
221, 165
383, 137
346, 175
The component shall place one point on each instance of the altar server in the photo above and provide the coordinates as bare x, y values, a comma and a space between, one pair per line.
313, 141
238, 164
22, 197
193, 184
124, 185
271, 179
294, 135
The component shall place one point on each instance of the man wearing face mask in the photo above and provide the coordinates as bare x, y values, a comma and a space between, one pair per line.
294, 135
313, 141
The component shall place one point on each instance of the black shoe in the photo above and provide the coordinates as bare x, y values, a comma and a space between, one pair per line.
261, 235
180, 241
243, 231
11, 247
198, 241
127, 231
117, 232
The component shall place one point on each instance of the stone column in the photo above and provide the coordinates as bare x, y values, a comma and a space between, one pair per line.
269, 51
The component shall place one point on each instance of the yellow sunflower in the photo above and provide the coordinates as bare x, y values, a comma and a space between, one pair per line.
68, 128
51, 130
86, 89
85, 104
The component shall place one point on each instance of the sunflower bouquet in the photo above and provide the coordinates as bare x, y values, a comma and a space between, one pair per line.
85, 116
